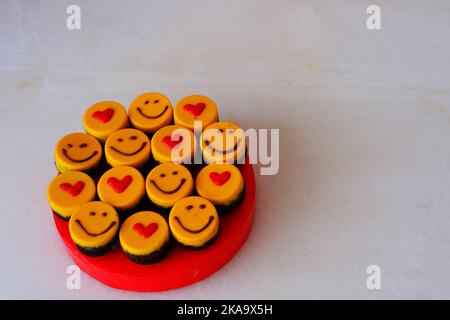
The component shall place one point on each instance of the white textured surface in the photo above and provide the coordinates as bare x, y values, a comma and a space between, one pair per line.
364, 119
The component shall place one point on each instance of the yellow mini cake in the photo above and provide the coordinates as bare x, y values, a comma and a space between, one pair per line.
222, 184
223, 142
127, 147
104, 118
68, 191
168, 183
93, 227
194, 222
173, 144
77, 152
195, 108
144, 237
150, 112
122, 187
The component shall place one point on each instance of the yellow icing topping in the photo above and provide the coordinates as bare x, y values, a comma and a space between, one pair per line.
173, 144
94, 224
127, 147
194, 221
68, 191
123, 187
104, 118
167, 183
77, 152
143, 233
150, 111
223, 142
195, 108
219, 183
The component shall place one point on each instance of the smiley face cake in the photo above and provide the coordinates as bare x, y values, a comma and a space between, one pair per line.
173, 144
68, 191
150, 112
144, 237
77, 152
195, 108
222, 184
168, 183
123, 187
194, 222
93, 228
104, 118
127, 147
223, 142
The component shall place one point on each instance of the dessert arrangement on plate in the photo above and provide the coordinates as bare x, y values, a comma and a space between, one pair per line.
135, 208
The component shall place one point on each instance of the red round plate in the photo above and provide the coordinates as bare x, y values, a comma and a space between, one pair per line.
181, 267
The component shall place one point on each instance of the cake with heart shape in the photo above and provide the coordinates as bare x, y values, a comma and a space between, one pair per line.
68, 191
173, 144
123, 187
144, 237
93, 228
195, 108
104, 118
222, 184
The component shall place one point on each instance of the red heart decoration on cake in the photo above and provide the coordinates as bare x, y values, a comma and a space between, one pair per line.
170, 142
220, 178
120, 186
73, 190
103, 116
195, 110
147, 231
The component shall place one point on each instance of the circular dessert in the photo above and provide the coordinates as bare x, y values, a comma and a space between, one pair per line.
77, 152
122, 187
173, 144
223, 142
168, 183
93, 228
195, 108
180, 267
222, 184
68, 191
144, 237
104, 118
127, 147
150, 112
194, 222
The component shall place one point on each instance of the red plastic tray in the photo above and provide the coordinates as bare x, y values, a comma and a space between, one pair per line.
181, 267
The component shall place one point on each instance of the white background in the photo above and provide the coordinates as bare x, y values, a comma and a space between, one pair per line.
364, 119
